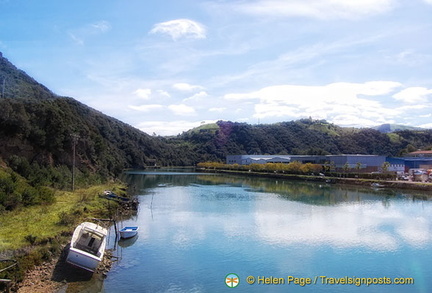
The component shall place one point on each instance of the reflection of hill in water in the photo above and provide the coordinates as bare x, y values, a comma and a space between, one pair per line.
145, 180
301, 191
313, 192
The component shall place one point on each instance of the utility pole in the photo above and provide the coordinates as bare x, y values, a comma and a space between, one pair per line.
75, 138
3, 88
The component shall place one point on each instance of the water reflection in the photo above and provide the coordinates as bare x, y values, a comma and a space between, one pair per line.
370, 225
293, 212
215, 224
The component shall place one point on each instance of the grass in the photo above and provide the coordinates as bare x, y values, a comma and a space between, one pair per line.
44, 222
36, 234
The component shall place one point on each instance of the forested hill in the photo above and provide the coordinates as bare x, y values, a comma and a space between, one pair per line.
16, 83
37, 130
306, 136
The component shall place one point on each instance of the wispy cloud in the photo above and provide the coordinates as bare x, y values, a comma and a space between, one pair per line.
101, 26
217, 109
180, 28
182, 110
181, 86
79, 35
320, 9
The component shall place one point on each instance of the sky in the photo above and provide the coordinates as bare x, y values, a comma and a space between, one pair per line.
167, 66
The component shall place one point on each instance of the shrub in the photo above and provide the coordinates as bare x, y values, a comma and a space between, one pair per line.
46, 194
30, 239
66, 219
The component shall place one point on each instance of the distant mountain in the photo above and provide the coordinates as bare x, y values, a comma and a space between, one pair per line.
388, 128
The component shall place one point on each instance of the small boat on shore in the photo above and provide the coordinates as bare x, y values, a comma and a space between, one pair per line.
87, 246
377, 185
108, 194
128, 232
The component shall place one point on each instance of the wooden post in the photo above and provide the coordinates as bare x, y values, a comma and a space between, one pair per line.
75, 138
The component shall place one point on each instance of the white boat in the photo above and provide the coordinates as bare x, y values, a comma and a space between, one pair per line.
87, 246
128, 232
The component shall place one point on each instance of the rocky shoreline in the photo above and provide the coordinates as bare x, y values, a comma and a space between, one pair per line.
59, 276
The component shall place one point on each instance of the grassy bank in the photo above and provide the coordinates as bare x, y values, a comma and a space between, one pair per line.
35, 234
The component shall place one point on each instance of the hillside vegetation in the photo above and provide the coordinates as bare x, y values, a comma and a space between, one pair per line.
306, 136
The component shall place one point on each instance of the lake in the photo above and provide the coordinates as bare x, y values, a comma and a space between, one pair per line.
219, 233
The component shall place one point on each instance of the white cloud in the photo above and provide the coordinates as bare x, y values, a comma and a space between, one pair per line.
146, 108
143, 93
216, 109
350, 120
427, 126
163, 93
197, 97
182, 86
180, 28
302, 95
413, 95
428, 1
350, 103
321, 9
182, 110
170, 127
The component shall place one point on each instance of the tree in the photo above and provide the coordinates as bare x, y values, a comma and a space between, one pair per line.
346, 167
358, 166
385, 166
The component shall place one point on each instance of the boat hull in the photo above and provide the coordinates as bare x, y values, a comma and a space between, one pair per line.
83, 260
87, 246
128, 232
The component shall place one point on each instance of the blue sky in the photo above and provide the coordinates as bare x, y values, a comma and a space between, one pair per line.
167, 66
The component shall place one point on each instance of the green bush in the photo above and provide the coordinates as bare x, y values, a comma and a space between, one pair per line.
46, 194
66, 219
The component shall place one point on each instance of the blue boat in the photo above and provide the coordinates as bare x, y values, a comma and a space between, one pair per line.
128, 232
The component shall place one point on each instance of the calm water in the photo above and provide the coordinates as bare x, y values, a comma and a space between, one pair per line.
195, 229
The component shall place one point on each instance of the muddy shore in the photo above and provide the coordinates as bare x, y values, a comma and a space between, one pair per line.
59, 276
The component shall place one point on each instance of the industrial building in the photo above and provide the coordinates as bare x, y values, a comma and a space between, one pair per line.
364, 163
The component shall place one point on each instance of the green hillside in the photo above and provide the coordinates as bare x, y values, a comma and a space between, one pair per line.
306, 136
388, 128
38, 127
